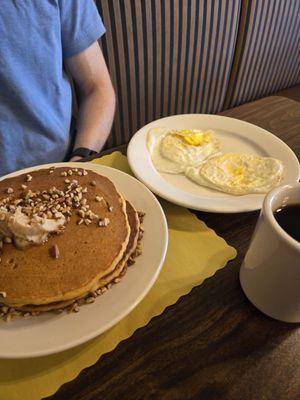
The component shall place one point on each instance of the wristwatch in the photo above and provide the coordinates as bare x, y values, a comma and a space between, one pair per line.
83, 152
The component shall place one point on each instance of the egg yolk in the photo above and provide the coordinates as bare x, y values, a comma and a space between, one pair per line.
195, 139
237, 171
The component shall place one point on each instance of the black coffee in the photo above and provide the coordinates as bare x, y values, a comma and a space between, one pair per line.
289, 219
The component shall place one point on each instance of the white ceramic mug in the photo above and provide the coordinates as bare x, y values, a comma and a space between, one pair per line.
270, 273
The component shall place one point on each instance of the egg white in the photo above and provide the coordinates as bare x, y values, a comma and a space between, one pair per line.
169, 153
238, 174
161, 163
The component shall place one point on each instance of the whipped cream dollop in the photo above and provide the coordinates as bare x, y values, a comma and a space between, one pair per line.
25, 230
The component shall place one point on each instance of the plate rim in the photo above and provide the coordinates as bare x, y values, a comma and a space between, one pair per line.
181, 202
138, 299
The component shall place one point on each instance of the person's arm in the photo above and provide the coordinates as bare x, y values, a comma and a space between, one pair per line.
96, 98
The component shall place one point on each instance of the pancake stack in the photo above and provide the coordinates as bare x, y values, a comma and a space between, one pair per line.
97, 237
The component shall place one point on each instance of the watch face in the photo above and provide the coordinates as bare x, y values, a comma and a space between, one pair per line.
83, 152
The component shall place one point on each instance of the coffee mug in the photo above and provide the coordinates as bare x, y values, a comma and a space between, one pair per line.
270, 273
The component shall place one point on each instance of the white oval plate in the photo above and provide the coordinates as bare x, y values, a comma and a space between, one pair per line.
50, 333
236, 136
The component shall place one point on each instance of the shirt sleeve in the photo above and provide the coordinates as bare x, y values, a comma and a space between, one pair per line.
81, 25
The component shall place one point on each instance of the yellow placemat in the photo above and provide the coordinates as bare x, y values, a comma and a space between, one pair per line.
195, 253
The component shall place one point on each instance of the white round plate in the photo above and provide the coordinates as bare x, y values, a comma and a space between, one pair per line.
49, 333
236, 136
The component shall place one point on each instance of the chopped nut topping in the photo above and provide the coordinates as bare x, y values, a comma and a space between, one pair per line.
55, 251
74, 308
51, 171
93, 216
80, 213
103, 222
110, 208
141, 215
130, 261
70, 172
10, 190
53, 203
7, 317
35, 313
3, 294
90, 300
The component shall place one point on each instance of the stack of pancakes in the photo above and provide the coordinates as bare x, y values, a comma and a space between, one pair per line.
99, 240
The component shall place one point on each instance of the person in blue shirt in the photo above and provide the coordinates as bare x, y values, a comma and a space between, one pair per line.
40, 39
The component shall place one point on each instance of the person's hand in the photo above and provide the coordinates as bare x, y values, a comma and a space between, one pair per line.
75, 158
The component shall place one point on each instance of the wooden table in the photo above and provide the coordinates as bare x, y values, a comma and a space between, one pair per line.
212, 344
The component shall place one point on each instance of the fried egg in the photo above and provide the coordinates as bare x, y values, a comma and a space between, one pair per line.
238, 174
172, 151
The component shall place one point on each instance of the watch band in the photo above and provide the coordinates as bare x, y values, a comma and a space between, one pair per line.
83, 152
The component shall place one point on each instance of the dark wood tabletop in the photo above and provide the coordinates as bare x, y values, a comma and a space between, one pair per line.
212, 344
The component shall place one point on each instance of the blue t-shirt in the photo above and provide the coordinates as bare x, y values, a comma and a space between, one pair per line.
35, 93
